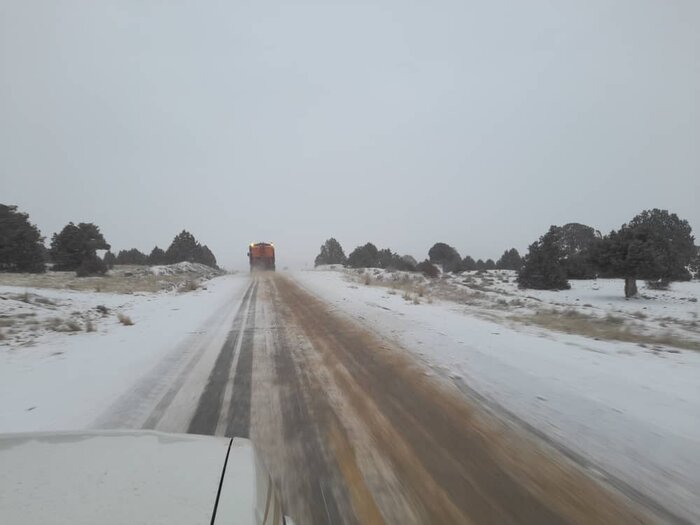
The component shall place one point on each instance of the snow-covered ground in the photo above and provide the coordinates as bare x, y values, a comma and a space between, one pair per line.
661, 320
633, 411
54, 378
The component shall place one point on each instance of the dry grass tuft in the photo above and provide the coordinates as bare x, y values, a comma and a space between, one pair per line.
189, 286
90, 326
72, 326
610, 327
63, 325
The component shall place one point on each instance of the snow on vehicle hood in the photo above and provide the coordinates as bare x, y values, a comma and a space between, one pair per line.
116, 477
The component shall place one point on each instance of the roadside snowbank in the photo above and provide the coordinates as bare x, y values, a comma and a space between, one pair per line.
66, 379
197, 269
633, 412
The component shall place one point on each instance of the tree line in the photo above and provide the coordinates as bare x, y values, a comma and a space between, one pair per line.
75, 248
184, 247
656, 246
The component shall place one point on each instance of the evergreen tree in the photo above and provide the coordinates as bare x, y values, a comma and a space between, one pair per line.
21, 246
489, 265
390, 260
510, 260
409, 263
156, 257
543, 267
468, 264
91, 265
132, 256
480, 265
207, 257
386, 258
366, 256
655, 245
75, 247
428, 269
109, 259
331, 253
183, 248
576, 241
694, 266
446, 256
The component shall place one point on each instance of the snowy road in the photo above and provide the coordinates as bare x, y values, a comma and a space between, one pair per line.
352, 428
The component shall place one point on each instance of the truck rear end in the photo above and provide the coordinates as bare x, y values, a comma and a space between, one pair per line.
262, 256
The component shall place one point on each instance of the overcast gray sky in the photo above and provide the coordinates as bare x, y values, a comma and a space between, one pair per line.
401, 123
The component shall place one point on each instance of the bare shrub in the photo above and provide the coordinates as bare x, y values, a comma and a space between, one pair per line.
660, 284
189, 286
61, 325
367, 279
90, 326
53, 323
124, 319
72, 326
614, 319
416, 300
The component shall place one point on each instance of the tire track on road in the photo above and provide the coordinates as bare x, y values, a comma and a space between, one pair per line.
317, 479
206, 417
239, 409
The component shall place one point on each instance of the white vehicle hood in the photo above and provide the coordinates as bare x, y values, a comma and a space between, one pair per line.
117, 477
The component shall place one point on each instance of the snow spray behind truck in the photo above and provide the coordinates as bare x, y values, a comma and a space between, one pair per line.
262, 256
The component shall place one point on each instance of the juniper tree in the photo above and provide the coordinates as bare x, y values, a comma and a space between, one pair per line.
156, 257
75, 248
21, 244
468, 264
366, 256
655, 245
543, 267
446, 256
510, 260
331, 253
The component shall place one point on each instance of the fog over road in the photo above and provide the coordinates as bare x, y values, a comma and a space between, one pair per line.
352, 429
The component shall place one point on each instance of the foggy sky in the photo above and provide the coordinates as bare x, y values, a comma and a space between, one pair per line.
402, 123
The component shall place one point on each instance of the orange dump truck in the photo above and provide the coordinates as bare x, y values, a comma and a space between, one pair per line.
262, 256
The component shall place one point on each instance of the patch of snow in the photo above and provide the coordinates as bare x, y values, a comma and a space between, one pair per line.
185, 267
65, 380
